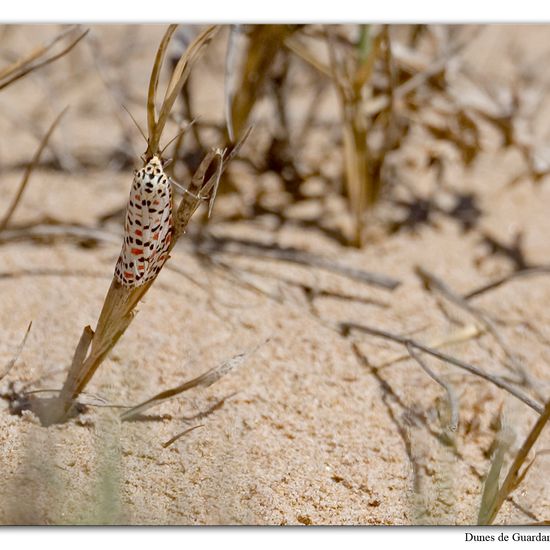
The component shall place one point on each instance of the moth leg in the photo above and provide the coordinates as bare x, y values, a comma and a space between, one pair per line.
184, 190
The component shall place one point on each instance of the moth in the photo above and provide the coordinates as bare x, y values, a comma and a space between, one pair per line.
148, 226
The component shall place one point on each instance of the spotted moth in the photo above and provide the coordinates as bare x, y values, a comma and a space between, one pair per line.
147, 228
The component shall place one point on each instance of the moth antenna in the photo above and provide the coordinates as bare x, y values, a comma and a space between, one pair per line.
137, 125
178, 135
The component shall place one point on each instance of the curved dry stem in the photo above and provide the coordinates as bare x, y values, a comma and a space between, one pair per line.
35, 54
177, 81
18, 351
47, 61
346, 328
153, 82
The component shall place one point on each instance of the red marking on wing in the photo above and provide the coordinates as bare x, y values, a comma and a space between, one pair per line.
139, 233
137, 251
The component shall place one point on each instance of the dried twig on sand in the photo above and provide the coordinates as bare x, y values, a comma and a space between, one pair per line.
212, 244
346, 328
528, 272
16, 355
451, 394
432, 282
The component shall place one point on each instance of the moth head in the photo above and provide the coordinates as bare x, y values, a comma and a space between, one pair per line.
156, 161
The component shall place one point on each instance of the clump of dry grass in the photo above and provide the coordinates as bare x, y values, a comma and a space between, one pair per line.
391, 84
120, 303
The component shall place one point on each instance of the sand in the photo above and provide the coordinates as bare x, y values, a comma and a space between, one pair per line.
309, 431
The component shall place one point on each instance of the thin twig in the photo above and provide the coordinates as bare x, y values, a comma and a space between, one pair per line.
18, 351
435, 67
45, 62
528, 272
496, 380
258, 250
44, 231
35, 54
451, 394
433, 282
463, 334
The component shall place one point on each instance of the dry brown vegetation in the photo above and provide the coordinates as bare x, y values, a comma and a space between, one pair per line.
386, 190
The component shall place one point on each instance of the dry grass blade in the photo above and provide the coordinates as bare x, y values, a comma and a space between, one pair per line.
230, 82
514, 477
18, 351
463, 334
490, 486
22, 68
302, 51
177, 80
183, 67
362, 190
21, 63
29, 170
220, 154
265, 41
82, 347
368, 49
154, 80
204, 380
41, 232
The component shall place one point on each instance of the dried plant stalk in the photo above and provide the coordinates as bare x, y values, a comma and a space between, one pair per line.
18, 351
179, 76
264, 43
37, 58
121, 301
362, 190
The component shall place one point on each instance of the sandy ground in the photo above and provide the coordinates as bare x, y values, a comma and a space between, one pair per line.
309, 432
